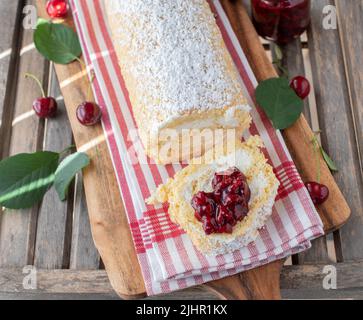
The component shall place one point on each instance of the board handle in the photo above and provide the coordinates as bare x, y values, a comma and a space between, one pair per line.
262, 283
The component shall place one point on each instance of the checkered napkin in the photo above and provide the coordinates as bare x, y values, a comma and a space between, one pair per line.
168, 259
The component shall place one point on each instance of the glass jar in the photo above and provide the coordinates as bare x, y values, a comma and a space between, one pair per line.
281, 21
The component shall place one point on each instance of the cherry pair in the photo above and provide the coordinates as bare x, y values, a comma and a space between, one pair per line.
88, 113
319, 193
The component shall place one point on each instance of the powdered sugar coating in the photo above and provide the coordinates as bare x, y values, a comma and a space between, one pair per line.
175, 55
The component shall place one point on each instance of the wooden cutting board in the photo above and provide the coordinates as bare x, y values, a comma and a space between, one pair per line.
109, 224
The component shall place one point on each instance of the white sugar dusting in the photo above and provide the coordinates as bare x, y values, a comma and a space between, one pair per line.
177, 58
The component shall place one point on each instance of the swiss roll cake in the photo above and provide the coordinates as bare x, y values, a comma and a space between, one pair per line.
179, 74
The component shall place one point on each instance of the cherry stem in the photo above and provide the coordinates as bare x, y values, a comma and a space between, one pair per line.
70, 148
278, 62
81, 62
282, 69
29, 75
90, 85
92, 77
316, 151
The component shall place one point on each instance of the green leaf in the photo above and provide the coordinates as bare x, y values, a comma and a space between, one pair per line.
329, 161
56, 42
25, 178
279, 101
67, 171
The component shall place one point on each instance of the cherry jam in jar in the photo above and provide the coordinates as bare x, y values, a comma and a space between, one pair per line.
280, 21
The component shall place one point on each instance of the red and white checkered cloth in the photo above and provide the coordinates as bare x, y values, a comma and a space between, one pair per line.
167, 257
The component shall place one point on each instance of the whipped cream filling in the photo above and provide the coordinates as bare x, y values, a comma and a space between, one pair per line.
241, 159
228, 120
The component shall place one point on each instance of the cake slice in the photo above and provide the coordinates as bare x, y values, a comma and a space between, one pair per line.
223, 198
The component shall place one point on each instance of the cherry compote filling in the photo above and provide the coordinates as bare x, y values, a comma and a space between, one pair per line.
220, 210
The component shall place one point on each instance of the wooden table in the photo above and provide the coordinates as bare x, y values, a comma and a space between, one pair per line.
55, 237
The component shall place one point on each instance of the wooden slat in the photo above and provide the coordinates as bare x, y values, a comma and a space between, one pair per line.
318, 253
293, 61
17, 233
321, 294
336, 122
59, 296
189, 294
52, 248
57, 281
9, 15
84, 254
350, 18
309, 277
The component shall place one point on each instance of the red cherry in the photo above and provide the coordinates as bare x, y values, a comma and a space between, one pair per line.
223, 214
319, 193
301, 86
208, 227
231, 199
45, 107
57, 8
89, 113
